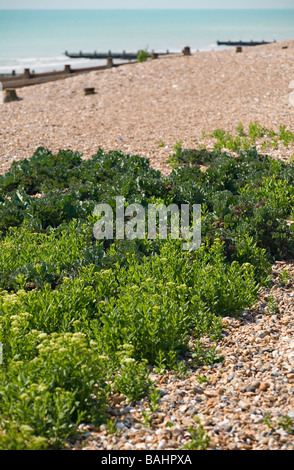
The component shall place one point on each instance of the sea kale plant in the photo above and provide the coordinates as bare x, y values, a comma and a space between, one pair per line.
82, 319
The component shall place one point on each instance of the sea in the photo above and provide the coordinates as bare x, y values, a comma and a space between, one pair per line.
38, 39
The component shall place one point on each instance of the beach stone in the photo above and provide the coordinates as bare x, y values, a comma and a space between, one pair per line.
183, 408
211, 393
291, 358
128, 446
142, 446
120, 426
162, 445
243, 405
228, 428
192, 411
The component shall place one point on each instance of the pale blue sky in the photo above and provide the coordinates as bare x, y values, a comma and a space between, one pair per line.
11, 4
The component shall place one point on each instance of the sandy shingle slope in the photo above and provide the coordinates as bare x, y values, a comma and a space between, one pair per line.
165, 100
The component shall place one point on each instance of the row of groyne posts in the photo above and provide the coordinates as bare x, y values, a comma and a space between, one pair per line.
10, 83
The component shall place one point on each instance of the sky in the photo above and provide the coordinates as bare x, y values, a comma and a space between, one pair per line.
101, 4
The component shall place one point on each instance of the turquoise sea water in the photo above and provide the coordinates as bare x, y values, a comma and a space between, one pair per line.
38, 38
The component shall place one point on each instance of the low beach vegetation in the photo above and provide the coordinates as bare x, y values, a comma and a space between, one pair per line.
83, 319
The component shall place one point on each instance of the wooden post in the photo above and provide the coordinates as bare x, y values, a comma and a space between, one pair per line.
109, 62
67, 68
26, 73
186, 50
89, 90
154, 55
239, 49
10, 95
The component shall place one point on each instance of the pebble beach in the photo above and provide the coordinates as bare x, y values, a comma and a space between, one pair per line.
244, 401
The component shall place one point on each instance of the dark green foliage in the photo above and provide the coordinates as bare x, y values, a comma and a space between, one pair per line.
249, 193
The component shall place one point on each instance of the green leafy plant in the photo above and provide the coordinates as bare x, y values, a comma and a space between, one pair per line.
284, 277
111, 425
154, 400
53, 392
132, 377
272, 307
160, 144
153, 407
21, 438
285, 422
206, 356
143, 55
203, 379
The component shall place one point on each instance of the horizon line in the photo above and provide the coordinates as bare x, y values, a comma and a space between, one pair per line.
145, 8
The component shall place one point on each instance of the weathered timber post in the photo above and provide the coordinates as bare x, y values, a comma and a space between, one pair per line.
109, 62
26, 73
186, 50
154, 55
89, 90
67, 68
239, 49
10, 95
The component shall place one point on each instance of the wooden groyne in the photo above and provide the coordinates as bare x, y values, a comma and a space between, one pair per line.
243, 43
28, 78
104, 55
